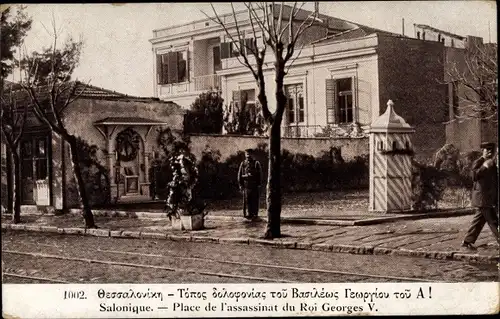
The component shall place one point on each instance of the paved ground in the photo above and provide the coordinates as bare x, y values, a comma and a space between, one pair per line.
40, 257
431, 237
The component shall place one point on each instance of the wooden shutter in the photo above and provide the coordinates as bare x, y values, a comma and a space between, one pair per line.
159, 78
331, 101
225, 49
164, 69
173, 73
216, 55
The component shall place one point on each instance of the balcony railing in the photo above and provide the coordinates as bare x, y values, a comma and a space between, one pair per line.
206, 82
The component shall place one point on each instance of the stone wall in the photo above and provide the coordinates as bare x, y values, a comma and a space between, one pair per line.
229, 145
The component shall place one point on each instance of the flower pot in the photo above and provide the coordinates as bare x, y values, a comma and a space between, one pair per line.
189, 222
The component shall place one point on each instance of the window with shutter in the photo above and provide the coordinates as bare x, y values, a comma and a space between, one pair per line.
182, 67
224, 50
345, 100
159, 78
331, 101
172, 67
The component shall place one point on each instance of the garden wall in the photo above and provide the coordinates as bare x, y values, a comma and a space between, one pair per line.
229, 145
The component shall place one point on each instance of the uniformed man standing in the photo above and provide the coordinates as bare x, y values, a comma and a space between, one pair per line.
249, 180
484, 196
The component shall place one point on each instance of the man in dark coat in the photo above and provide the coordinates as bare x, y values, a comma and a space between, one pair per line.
249, 180
484, 196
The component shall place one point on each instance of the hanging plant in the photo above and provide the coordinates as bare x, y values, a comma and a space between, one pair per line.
127, 145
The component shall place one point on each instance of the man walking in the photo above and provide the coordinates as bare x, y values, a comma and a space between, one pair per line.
484, 196
249, 180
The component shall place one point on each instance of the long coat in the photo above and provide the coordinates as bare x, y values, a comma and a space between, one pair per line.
485, 187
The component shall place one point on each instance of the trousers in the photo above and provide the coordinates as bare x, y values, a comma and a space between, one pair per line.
252, 197
482, 216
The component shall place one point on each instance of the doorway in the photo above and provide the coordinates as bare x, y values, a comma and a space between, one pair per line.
35, 170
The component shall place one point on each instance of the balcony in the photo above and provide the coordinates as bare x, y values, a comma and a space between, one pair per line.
207, 82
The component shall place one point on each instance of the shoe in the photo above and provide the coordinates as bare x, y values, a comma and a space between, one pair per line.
468, 246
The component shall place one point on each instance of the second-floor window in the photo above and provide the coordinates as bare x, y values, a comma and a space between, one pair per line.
172, 67
339, 101
231, 49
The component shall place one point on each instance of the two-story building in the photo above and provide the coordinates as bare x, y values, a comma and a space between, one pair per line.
465, 128
345, 74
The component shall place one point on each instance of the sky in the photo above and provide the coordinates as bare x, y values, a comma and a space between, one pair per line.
117, 54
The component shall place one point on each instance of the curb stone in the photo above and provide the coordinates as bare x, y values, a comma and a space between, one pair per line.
116, 233
75, 231
234, 240
35, 228
322, 247
304, 245
381, 251
131, 234
98, 232
48, 229
279, 244
203, 239
15, 226
154, 235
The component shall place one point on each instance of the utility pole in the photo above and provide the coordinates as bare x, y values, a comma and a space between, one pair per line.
403, 26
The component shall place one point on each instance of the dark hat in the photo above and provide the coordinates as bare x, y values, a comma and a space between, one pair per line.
488, 145
249, 151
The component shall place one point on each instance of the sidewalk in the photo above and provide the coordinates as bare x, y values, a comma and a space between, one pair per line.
437, 237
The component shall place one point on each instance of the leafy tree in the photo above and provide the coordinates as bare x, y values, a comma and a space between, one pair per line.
280, 28
13, 30
47, 81
205, 115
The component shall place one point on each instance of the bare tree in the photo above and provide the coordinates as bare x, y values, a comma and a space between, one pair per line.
13, 121
280, 27
47, 82
476, 80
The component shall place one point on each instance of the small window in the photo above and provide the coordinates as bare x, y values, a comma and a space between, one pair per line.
394, 145
407, 145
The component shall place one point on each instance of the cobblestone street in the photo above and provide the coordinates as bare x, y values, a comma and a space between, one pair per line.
112, 260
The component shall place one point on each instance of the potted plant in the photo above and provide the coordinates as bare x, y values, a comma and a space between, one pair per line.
183, 209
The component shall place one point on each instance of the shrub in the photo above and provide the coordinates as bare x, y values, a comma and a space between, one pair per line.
299, 172
95, 176
205, 115
428, 185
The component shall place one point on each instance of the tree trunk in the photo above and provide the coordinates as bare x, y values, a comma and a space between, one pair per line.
87, 211
273, 195
16, 216
10, 181
274, 174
